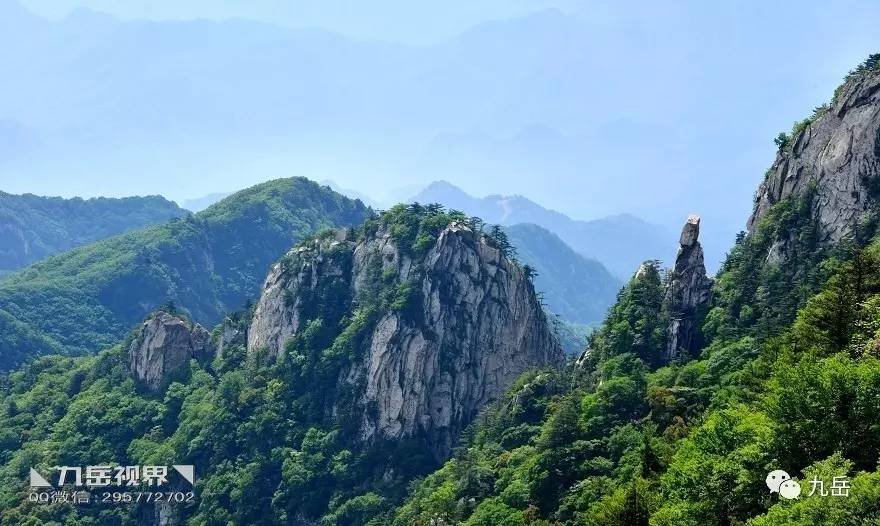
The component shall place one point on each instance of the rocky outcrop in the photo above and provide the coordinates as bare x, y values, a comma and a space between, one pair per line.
466, 324
688, 293
307, 271
232, 332
163, 346
837, 155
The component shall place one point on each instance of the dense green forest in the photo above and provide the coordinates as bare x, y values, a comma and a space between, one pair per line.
616, 439
207, 264
34, 227
259, 430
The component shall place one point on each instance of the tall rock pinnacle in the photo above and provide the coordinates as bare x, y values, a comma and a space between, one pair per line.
688, 293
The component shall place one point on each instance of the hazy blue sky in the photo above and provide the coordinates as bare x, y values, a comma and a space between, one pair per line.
591, 108
397, 20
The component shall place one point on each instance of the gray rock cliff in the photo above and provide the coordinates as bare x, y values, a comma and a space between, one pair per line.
688, 293
306, 271
231, 333
837, 155
471, 325
163, 346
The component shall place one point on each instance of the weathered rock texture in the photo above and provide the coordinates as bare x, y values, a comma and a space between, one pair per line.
292, 284
232, 332
688, 293
425, 370
163, 346
838, 154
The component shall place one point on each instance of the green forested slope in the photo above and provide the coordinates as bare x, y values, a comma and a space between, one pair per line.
206, 264
578, 289
267, 449
622, 438
34, 227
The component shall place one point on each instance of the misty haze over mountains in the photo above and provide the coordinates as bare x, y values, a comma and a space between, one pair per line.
620, 242
392, 20
526, 101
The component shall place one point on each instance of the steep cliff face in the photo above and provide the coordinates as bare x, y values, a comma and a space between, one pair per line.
688, 293
462, 321
163, 346
836, 154
318, 268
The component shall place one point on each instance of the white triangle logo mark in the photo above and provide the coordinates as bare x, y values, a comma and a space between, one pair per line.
187, 471
37, 480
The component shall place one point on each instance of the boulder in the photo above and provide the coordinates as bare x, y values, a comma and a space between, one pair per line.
163, 346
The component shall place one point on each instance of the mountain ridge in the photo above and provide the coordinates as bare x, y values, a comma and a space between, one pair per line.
576, 288
34, 227
464, 320
621, 242
207, 264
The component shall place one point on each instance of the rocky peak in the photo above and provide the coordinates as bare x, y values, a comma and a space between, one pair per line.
163, 346
322, 264
464, 324
835, 154
688, 293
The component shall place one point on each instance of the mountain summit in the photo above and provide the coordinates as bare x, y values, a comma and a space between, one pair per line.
206, 264
436, 321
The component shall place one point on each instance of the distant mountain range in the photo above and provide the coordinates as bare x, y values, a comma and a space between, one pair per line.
578, 289
34, 227
621, 242
174, 103
161, 259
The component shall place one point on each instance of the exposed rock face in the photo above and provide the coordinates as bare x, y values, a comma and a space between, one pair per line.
838, 154
425, 370
290, 286
688, 294
231, 333
163, 346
